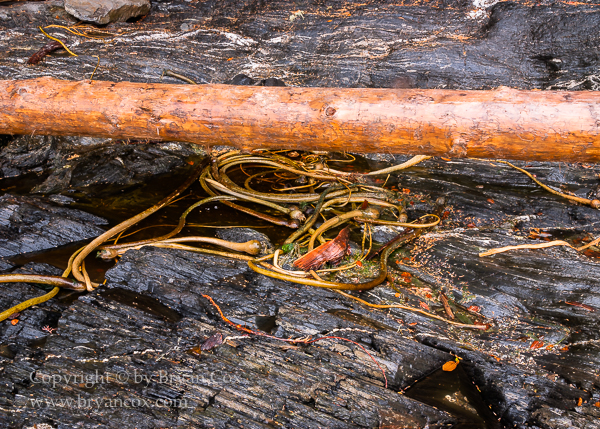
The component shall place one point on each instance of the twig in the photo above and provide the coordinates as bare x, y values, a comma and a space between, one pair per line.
290, 340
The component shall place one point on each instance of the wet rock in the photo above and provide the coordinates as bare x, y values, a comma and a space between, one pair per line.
557, 418
241, 79
240, 235
271, 82
517, 395
509, 44
58, 181
28, 332
68, 163
577, 364
5, 265
481, 194
29, 224
116, 165
105, 11
122, 165
63, 200
143, 356
383, 233
539, 354
25, 154
241, 295
523, 280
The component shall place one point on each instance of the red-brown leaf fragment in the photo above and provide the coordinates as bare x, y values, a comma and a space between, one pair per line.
536, 345
212, 342
333, 251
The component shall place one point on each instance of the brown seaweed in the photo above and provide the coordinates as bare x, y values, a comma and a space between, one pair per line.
45, 50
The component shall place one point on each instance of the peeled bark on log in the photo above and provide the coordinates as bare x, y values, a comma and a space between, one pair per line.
503, 123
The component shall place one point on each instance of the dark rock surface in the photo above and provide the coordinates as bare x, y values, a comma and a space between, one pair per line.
73, 163
439, 44
129, 354
28, 332
130, 351
29, 224
240, 235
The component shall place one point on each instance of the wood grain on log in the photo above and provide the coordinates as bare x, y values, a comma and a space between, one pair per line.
503, 123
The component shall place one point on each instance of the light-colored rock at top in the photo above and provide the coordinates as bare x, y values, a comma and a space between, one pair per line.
105, 11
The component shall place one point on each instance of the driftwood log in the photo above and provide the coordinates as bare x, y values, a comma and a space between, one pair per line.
502, 123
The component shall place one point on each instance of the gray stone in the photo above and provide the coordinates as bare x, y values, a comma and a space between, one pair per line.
385, 233
105, 11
